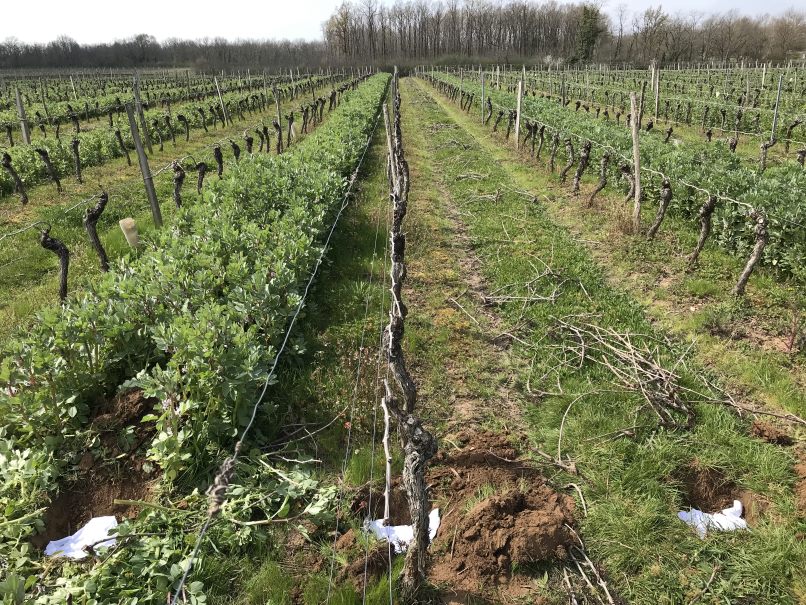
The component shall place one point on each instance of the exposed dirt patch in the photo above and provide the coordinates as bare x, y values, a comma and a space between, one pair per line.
123, 409
371, 567
770, 433
94, 491
92, 496
500, 512
398, 504
800, 484
297, 539
708, 490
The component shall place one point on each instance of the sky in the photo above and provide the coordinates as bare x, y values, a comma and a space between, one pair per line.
89, 21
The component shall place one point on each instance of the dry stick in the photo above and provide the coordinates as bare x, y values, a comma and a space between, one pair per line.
636, 213
762, 237
76, 159
51, 170
122, 145
569, 151
91, 216
19, 188
572, 597
59, 249
665, 199
705, 588
705, 213
602, 177
201, 168
179, 179
584, 158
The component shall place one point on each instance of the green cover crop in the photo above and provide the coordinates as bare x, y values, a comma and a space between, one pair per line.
194, 320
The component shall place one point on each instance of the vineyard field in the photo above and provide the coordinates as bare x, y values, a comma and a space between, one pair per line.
385, 318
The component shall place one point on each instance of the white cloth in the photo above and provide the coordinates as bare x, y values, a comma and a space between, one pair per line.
729, 519
92, 534
401, 535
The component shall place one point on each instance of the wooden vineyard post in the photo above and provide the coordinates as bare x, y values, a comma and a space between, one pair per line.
636, 158
562, 89
26, 134
224, 112
279, 115
73, 84
148, 179
657, 93
44, 102
777, 103
482, 97
518, 115
461, 81
640, 108
139, 107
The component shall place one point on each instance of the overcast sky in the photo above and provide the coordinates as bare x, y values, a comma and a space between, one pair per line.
103, 21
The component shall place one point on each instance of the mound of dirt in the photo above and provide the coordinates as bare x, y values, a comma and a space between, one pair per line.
94, 491
770, 434
513, 528
500, 513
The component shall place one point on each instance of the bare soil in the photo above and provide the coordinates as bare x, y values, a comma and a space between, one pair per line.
94, 491
708, 490
770, 433
524, 521
800, 483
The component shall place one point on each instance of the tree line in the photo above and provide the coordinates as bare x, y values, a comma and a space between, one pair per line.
144, 51
411, 31
514, 30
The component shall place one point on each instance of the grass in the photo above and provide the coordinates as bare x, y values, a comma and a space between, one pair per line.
629, 484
